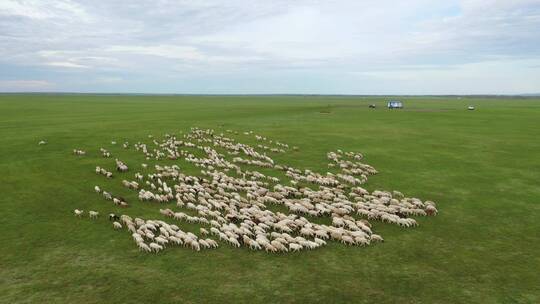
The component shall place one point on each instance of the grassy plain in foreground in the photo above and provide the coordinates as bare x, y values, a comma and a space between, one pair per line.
481, 167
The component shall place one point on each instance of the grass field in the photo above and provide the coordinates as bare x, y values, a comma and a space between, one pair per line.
481, 167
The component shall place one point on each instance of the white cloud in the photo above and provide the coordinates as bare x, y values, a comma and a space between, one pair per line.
36, 9
25, 85
496, 77
181, 53
275, 40
167, 51
66, 64
109, 79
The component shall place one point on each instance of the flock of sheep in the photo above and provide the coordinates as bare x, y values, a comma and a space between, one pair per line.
230, 199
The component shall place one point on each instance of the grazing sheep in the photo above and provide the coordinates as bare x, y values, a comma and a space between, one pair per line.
142, 246
295, 247
377, 238
235, 206
161, 241
156, 247
120, 166
93, 214
212, 243
204, 244
320, 242
195, 245
107, 195
431, 210
79, 152
78, 212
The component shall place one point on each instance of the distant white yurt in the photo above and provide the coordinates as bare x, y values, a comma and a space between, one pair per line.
395, 104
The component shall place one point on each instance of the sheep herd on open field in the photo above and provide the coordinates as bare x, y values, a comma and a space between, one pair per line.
239, 190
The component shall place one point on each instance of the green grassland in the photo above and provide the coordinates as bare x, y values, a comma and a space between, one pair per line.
481, 167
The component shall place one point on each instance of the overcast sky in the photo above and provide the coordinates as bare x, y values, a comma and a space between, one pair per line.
274, 46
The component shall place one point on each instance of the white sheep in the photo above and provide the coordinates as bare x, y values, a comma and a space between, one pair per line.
161, 240
235, 207
155, 247
144, 247
117, 225
212, 243
431, 210
377, 238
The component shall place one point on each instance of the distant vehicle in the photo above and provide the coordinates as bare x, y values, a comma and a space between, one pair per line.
395, 104
372, 106
470, 108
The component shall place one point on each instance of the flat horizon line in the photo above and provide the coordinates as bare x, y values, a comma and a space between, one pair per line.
272, 94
